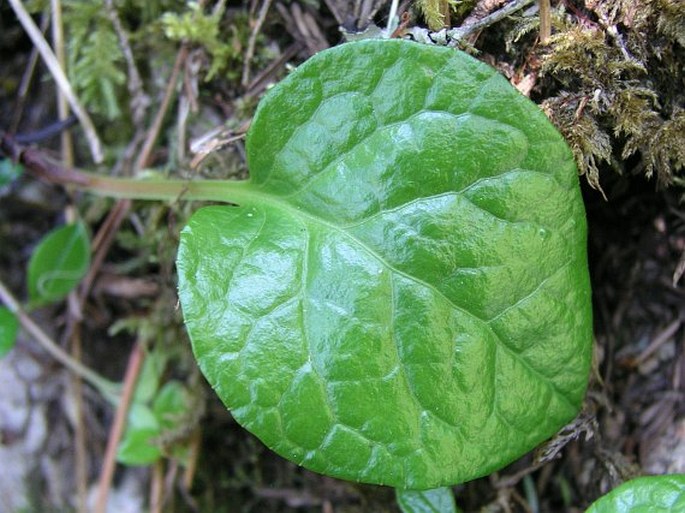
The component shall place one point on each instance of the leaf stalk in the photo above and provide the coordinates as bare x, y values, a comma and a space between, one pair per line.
227, 191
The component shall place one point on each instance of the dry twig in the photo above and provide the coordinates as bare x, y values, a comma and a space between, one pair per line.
482, 9
101, 384
60, 78
135, 363
80, 453
261, 81
663, 337
26, 79
303, 28
144, 157
545, 21
139, 100
453, 36
67, 145
249, 53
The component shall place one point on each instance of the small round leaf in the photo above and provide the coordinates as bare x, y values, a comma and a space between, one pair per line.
59, 263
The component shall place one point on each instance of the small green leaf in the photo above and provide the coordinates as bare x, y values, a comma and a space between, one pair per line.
402, 295
59, 263
171, 405
136, 446
651, 494
141, 443
150, 376
9, 326
437, 500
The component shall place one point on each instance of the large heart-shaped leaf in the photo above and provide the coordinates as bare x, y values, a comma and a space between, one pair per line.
401, 296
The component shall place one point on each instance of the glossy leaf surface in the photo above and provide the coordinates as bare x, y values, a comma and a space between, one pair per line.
401, 296
651, 494
437, 500
58, 263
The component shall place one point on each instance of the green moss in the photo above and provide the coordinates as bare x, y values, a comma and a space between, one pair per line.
95, 61
224, 43
618, 75
590, 143
439, 14
671, 21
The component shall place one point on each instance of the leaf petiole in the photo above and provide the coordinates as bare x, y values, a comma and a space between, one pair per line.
227, 191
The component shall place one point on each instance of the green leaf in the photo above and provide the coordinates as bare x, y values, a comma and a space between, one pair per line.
171, 405
402, 295
9, 326
652, 494
136, 447
150, 376
59, 263
437, 500
141, 444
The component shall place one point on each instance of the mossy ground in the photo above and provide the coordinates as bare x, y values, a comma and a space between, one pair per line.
611, 78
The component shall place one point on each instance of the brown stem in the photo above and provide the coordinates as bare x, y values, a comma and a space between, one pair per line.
252, 41
102, 243
157, 487
144, 157
135, 362
39, 165
80, 430
545, 21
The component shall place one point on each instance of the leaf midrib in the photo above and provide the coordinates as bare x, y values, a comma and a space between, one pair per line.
256, 198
